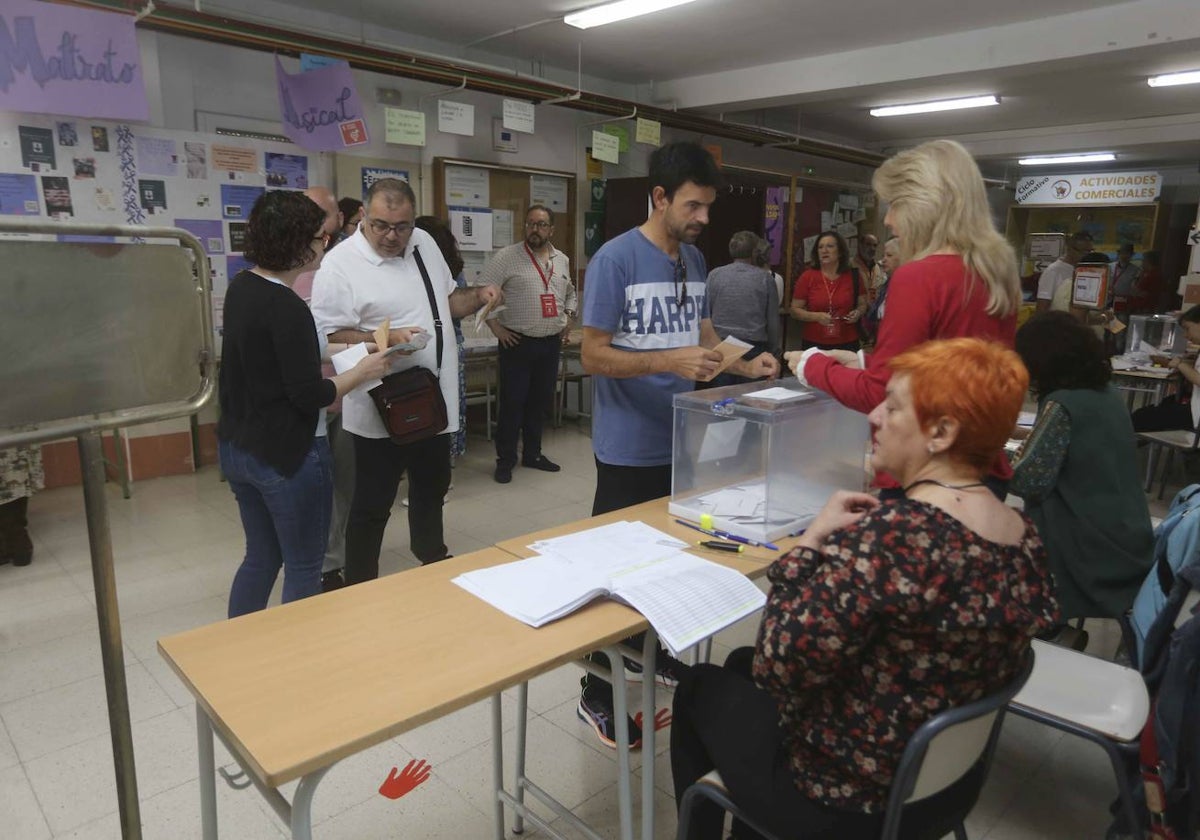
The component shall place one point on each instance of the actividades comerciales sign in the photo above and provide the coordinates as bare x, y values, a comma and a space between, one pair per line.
1090, 188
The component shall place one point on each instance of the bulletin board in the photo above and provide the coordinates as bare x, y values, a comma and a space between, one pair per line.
105, 172
503, 193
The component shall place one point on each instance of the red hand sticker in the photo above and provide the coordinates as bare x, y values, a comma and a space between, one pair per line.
414, 773
662, 719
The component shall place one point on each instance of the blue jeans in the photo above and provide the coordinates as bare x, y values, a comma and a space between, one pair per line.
286, 520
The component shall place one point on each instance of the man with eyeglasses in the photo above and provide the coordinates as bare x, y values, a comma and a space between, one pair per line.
539, 300
372, 277
647, 336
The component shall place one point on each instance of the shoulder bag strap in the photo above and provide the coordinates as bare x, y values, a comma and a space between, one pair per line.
437, 314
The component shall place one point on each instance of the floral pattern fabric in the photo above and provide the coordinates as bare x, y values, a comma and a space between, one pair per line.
20, 473
895, 619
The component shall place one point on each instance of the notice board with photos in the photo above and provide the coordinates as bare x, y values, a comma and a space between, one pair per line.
106, 172
485, 204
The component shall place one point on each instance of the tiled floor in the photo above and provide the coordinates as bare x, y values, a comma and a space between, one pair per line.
177, 543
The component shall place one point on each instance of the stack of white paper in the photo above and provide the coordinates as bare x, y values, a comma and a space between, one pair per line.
685, 598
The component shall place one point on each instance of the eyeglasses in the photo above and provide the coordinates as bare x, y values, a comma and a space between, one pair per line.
538, 225
324, 239
381, 228
680, 278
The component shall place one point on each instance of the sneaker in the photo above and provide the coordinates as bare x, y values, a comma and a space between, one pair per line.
542, 463
503, 475
598, 713
332, 580
666, 670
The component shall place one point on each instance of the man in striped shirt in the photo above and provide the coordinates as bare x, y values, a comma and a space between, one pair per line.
540, 300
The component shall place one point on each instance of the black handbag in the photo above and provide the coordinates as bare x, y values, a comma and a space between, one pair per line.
410, 402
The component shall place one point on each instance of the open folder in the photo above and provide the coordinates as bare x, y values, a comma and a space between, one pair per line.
685, 598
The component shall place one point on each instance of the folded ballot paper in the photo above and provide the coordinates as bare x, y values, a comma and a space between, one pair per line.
685, 598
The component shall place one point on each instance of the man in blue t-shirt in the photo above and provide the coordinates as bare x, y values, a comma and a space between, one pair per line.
646, 337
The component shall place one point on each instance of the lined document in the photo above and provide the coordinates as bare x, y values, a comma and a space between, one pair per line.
685, 598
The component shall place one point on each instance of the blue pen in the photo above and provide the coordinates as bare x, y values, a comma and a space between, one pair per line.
725, 535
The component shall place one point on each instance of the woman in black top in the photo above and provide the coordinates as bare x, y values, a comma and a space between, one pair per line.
272, 394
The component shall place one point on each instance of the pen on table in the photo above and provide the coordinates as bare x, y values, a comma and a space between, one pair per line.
722, 546
713, 532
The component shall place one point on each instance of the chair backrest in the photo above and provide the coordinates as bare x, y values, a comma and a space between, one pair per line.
948, 746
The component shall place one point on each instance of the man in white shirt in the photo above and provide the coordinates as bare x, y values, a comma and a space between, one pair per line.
372, 277
1062, 271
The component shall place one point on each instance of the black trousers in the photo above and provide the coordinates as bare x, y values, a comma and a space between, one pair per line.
721, 720
528, 372
620, 487
378, 466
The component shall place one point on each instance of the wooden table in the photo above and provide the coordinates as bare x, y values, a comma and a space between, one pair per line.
378, 659
1152, 381
753, 563
371, 661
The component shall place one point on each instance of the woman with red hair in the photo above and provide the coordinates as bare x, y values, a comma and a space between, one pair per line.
887, 613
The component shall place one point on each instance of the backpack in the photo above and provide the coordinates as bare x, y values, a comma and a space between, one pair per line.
1176, 547
1170, 742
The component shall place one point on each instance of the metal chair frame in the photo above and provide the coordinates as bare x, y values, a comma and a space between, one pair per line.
908, 772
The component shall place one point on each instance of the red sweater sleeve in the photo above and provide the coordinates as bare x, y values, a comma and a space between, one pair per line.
907, 324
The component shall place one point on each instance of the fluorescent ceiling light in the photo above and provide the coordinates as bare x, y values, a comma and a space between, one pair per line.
621, 10
1048, 160
938, 105
1191, 77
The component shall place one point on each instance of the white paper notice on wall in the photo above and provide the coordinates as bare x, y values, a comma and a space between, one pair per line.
502, 227
648, 131
472, 228
606, 147
468, 186
549, 190
456, 118
405, 128
518, 116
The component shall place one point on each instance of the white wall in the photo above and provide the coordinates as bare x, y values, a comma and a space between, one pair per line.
198, 76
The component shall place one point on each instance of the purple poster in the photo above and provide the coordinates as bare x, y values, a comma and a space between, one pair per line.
18, 195
320, 109
237, 201
207, 231
773, 214
57, 59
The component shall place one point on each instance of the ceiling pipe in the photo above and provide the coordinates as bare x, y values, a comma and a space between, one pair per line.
173, 20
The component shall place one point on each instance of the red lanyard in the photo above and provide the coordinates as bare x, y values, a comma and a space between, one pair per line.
542, 274
830, 288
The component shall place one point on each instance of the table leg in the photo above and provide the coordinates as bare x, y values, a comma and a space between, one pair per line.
208, 780
498, 764
302, 804
649, 652
620, 710
519, 774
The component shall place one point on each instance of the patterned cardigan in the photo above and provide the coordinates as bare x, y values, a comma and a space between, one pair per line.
895, 619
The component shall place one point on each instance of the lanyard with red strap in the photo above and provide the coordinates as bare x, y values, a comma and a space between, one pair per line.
548, 300
542, 274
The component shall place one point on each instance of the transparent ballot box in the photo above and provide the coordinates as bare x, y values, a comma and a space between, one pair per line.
762, 458
1156, 334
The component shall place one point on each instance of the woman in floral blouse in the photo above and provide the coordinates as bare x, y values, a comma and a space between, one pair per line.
885, 614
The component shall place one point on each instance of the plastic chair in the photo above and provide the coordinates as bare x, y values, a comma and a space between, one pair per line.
942, 751
1093, 698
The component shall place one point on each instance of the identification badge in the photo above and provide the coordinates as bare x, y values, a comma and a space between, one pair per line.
832, 328
549, 306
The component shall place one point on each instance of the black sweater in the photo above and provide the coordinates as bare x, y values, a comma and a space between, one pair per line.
271, 387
